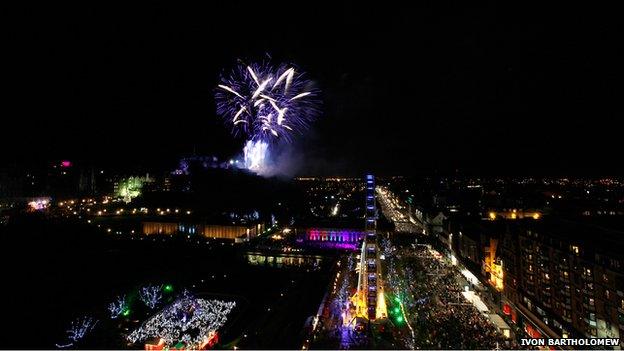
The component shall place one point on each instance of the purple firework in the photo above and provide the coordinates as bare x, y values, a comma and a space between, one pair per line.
267, 103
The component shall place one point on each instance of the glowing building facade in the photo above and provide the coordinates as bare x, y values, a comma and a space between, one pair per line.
334, 235
209, 231
331, 238
493, 265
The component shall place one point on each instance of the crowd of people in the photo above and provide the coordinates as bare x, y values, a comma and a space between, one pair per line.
439, 315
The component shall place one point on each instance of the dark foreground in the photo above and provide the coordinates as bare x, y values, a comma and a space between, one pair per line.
58, 271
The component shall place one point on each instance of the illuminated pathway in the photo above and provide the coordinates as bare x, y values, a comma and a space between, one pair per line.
407, 322
396, 212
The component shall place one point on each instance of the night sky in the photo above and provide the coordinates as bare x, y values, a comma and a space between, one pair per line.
406, 89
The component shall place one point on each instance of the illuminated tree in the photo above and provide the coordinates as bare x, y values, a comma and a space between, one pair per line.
129, 188
118, 307
79, 328
186, 320
150, 295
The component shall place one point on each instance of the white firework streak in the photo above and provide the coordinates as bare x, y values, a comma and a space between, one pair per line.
266, 121
286, 73
280, 116
260, 88
226, 88
267, 97
280, 112
253, 75
265, 128
289, 79
243, 109
300, 96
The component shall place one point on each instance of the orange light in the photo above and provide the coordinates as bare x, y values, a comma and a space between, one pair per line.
159, 346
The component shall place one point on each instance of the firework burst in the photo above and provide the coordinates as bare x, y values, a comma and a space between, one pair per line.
266, 103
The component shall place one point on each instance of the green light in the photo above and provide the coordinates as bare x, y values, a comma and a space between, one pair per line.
168, 288
399, 319
397, 299
126, 313
396, 310
130, 188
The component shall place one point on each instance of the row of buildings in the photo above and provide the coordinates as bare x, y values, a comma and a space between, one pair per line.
550, 276
550, 249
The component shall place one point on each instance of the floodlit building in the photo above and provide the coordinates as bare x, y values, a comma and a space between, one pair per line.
567, 277
552, 277
206, 230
